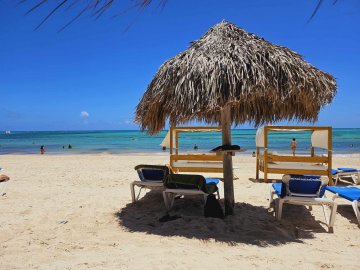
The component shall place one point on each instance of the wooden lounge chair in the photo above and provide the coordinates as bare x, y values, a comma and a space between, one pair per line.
303, 190
351, 194
151, 177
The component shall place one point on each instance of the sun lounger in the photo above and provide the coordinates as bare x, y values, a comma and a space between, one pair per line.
188, 185
302, 190
151, 177
351, 194
352, 173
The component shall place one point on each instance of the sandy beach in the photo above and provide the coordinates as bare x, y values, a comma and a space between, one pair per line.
75, 212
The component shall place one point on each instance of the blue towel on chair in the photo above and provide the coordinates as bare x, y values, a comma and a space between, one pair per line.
347, 169
212, 180
277, 188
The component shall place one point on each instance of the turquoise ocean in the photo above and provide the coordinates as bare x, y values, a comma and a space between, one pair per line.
345, 141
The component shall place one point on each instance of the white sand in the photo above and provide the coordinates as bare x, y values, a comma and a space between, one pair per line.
74, 212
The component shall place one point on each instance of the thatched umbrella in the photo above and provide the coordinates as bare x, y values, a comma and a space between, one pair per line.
232, 76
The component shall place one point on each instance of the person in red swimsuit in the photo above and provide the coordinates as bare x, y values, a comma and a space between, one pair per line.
293, 146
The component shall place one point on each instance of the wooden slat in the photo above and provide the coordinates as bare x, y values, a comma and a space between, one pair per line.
297, 127
191, 169
274, 158
189, 129
297, 171
196, 157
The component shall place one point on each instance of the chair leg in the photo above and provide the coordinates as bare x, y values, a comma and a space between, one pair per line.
333, 208
138, 196
3, 189
166, 200
358, 179
271, 198
132, 189
356, 206
278, 208
327, 219
172, 199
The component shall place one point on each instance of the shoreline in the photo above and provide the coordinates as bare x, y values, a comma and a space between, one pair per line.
247, 153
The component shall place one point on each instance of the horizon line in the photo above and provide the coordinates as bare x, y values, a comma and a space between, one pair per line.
98, 130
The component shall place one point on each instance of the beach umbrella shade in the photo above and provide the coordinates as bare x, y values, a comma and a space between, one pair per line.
230, 76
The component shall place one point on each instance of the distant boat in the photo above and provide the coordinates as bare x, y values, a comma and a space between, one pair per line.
7, 132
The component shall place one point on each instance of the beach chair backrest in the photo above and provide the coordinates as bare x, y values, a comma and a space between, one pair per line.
304, 185
185, 181
152, 173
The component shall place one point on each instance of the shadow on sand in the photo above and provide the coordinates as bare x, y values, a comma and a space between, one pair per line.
347, 212
251, 224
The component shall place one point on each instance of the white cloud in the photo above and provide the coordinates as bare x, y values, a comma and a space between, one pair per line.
127, 122
84, 114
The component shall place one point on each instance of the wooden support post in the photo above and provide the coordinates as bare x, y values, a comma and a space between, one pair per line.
257, 162
312, 151
227, 162
330, 156
171, 141
176, 142
266, 154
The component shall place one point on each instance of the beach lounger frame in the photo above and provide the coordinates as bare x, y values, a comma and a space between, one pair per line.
145, 183
170, 193
339, 173
304, 199
355, 202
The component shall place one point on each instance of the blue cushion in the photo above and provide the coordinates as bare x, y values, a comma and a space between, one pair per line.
308, 188
304, 186
349, 193
333, 171
299, 184
212, 180
347, 169
305, 176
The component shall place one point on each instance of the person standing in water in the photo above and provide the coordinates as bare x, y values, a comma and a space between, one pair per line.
293, 146
42, 150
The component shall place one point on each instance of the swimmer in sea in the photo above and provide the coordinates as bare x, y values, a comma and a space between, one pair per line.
293, 146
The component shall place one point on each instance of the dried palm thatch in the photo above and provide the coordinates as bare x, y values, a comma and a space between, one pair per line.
262, 82
95, 7
98, 7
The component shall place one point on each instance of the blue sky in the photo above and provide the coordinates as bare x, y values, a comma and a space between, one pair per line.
92, 75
